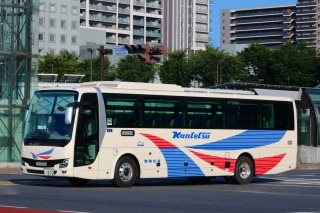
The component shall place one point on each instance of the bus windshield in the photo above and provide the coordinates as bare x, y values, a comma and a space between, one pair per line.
45, 125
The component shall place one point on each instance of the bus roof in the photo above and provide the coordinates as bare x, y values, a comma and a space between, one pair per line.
164, 89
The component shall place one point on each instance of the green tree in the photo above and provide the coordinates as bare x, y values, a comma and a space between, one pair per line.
257, 60
132, 69
175, 70
213, 66
65, 63
85, 68
295, 65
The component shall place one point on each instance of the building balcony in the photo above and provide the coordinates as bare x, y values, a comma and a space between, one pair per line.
138, 23
258, 35
305, 29
103, 8
202, 2
306, 20
138, 41
306, 12
153, 34
202, 29
123, 40
123, 21
202, 20
102, 18
154, 5
306, 4
202, 10
123, 11
138, 3
138, 32
251, 15
154, 24
111, 40
124, 2
202, 38
112, 1
154, 43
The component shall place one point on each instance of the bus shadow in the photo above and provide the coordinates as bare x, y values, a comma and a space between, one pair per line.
62, 182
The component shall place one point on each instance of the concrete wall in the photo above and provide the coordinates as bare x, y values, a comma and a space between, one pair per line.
308, 154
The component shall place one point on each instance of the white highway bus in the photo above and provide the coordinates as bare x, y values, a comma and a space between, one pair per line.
122, 131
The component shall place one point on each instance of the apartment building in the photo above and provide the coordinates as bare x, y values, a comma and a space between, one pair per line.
123, 21
270, 26
58, 26
187, 24
307, 22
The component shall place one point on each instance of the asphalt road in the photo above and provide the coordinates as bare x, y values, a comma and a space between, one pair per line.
292, 192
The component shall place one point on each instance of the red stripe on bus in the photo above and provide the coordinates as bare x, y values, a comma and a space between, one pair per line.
159, 142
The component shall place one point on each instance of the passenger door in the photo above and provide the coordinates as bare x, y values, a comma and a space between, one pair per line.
87, 138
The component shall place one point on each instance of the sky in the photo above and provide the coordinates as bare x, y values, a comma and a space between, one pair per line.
238, 4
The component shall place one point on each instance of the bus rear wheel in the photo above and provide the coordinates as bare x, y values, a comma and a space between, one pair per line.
126, 172
244, 170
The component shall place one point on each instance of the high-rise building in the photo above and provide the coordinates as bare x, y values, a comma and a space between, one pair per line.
273, 26
187, 24
122, 21
58, 26
270, 26
307, 22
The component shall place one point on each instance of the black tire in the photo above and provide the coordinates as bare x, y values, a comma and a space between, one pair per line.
126, 172
244, 170
78, 181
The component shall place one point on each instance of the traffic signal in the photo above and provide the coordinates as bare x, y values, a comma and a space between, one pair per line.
148, 54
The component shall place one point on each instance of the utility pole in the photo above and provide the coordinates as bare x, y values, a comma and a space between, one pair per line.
102, 53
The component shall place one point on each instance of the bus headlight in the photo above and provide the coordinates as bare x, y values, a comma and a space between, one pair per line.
64, 164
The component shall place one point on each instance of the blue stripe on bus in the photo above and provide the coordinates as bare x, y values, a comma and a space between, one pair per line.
176, 160
246, 140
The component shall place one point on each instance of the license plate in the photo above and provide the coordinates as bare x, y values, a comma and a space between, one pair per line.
40, 163
49, 171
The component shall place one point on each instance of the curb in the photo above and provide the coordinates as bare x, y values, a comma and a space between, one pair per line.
308, 166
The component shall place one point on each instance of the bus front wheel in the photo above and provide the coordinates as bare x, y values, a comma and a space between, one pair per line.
244, 170
126, 172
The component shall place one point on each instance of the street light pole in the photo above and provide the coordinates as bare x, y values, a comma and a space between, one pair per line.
91, 51
218, 63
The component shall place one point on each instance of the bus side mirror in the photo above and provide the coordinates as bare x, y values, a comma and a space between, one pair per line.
68, 115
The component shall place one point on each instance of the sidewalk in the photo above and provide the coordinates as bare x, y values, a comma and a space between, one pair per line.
6, 168
308, 166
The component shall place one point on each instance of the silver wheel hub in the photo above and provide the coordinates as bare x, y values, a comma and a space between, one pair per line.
244, 170
125, 172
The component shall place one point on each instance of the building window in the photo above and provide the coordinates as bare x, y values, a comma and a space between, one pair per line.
63, 24
51, 51
63, 9
74, 25
52, 8
52, 22
52, 38
41, 36
74, 11
73, 39
42, 22
42, 7
63, 39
